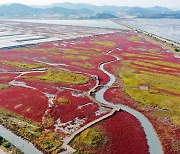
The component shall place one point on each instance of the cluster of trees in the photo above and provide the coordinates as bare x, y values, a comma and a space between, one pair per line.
177, 49
8, 146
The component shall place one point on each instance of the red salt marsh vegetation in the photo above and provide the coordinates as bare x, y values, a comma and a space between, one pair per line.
148, 80
50, 88
23, 102
118, 135
76, 106
46, 89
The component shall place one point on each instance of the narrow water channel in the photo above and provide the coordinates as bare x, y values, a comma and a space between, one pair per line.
18, 142
152, 138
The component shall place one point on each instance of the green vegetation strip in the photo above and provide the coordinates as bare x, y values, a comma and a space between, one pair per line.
63, 100
23, 65
57, 76
104, 43
49, 142
87, 139
4, 86
132, 80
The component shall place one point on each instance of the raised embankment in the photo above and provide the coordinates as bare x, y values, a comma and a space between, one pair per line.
154, 36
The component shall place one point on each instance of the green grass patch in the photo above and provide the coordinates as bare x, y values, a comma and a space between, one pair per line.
89, 137
176, 120
50, 142
139, 56
104, 43
152, 65
134, 39
63, 100
132, 79
23, 65
57, 76
84, 65
73, 57
162, 64
4, 86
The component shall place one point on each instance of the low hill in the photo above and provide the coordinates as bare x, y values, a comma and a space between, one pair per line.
85, 10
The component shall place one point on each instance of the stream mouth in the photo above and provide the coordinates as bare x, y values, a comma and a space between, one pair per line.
151, 135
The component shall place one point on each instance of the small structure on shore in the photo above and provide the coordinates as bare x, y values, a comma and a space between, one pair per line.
144, 88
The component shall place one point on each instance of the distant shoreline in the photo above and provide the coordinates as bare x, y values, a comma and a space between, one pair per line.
155, 39
154, 36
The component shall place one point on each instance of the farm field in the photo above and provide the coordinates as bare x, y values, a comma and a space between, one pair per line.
47, 94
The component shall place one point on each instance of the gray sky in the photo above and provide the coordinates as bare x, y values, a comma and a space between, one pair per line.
144, 3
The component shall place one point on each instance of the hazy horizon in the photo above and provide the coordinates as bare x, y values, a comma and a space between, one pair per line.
141, 3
